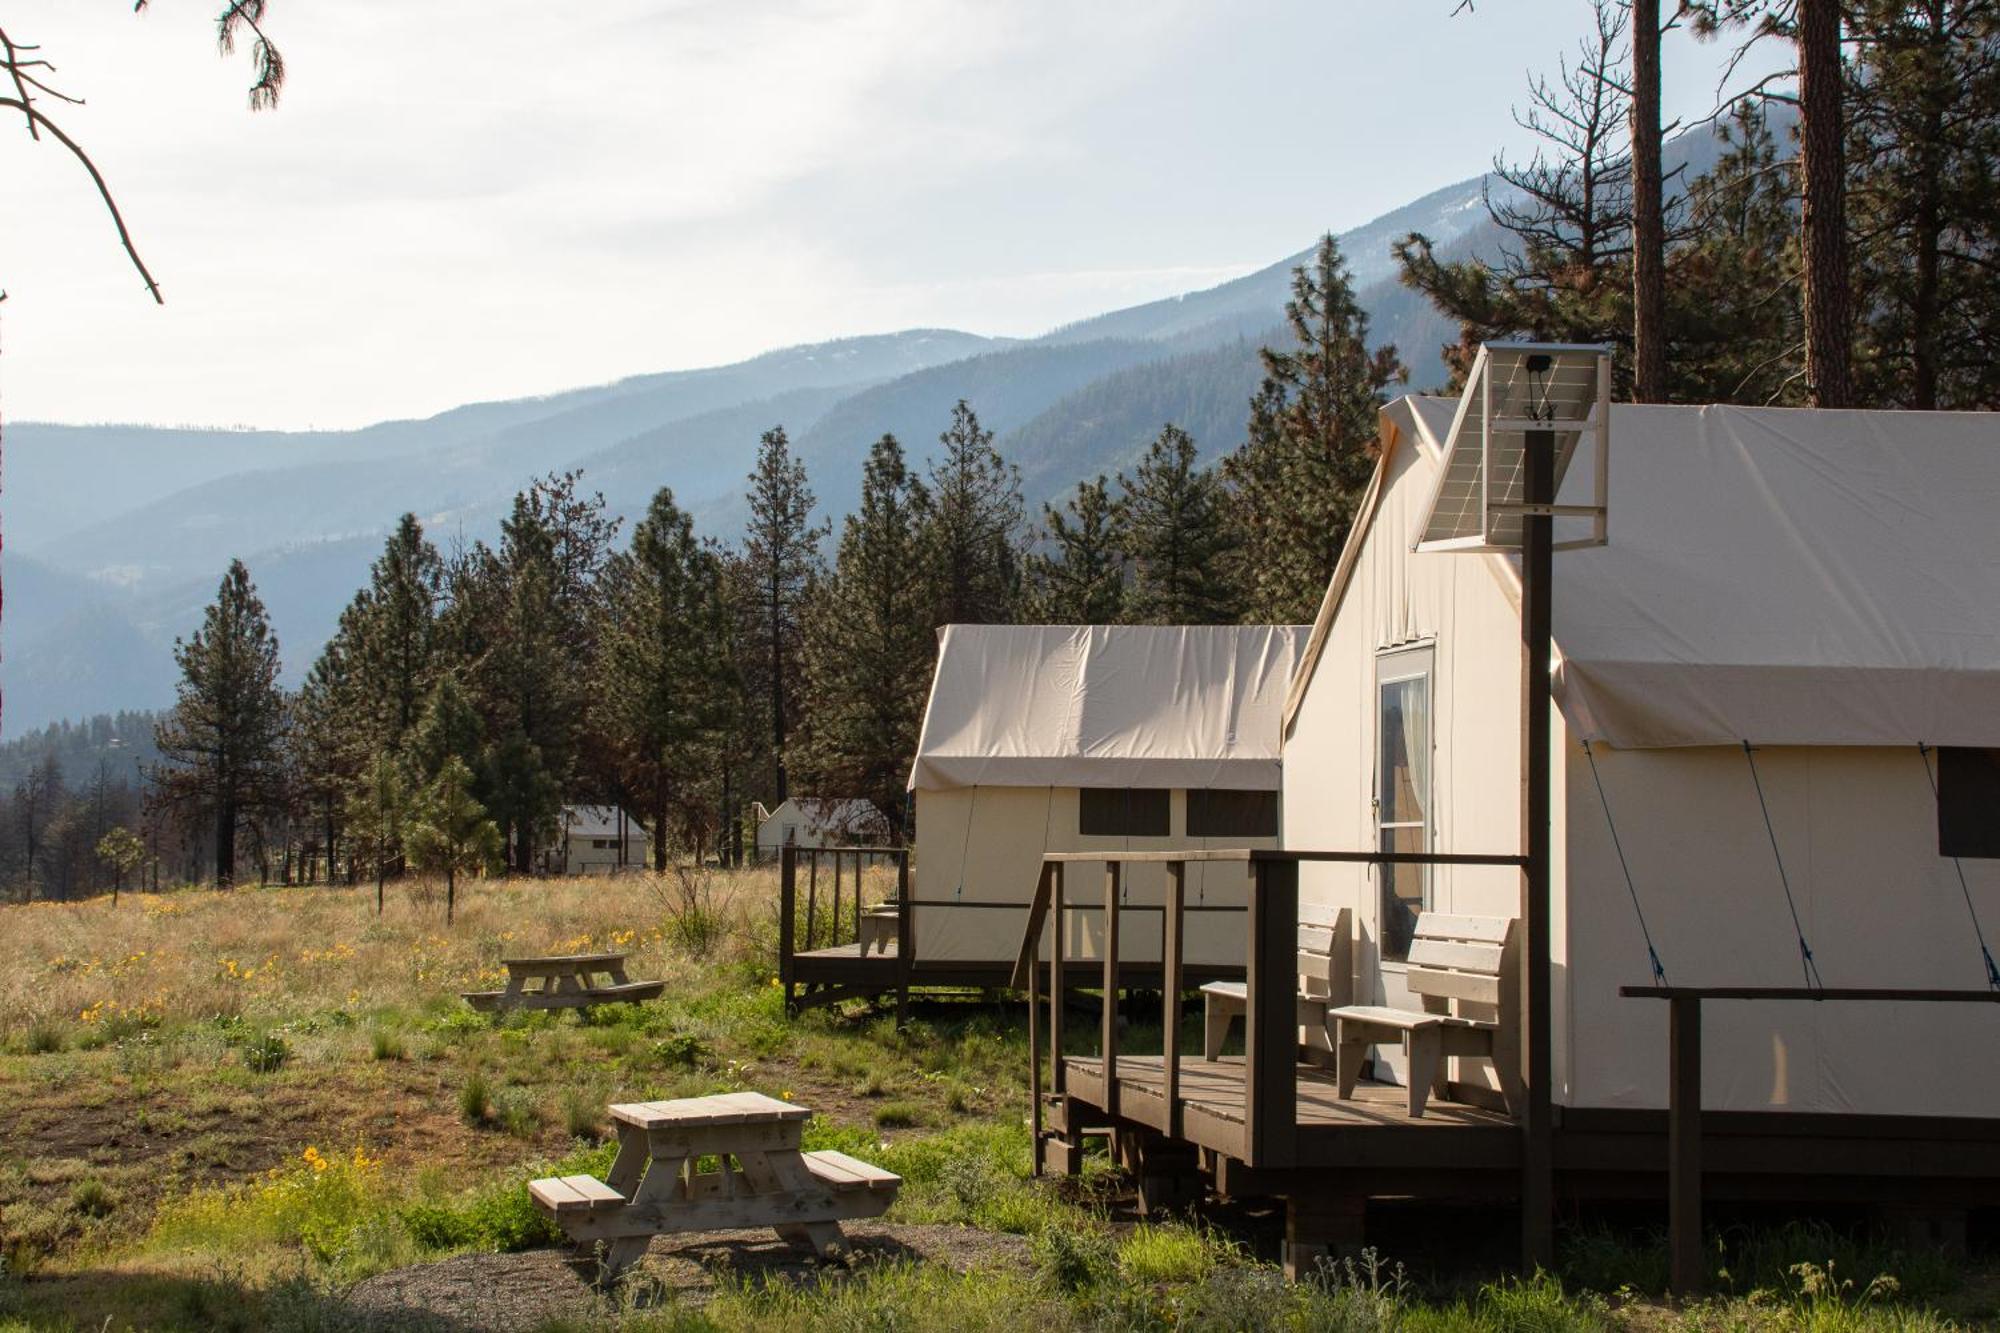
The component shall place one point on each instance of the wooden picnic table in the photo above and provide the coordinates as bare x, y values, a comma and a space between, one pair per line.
656, 1189
566, 981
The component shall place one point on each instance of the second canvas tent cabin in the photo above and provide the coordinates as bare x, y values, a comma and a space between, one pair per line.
1048, 738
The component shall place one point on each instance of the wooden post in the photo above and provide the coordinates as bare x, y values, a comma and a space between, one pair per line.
812, 891
1170, 992
1271, 1015
1112, 872
1058, 979
906, 936
1538, 1118
788, 893
1035, 1037
833, 918
1685, 1259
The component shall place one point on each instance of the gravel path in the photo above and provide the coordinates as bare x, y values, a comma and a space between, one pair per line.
507, 1292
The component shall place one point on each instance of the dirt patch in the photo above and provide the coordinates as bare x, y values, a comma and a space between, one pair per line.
520, 1291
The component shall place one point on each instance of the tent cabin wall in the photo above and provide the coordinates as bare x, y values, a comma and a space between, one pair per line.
1858, 830
979, 857
1453, 620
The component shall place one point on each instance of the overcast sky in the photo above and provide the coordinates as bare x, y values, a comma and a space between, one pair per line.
475, 199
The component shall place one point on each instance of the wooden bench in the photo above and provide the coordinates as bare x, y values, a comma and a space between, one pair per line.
761, 1178
567, 981
879, 928
1464, 970
1326, 980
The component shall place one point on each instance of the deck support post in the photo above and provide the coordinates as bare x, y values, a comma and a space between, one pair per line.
1035, 1037
1271, 1015
1538, 1116
906, 937
1320, 1228
1112, 873
1170, 993
1685, 1266
788, 893
1168, 1172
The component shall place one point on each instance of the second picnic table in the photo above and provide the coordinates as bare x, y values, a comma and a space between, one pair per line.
656, 1186
565, 981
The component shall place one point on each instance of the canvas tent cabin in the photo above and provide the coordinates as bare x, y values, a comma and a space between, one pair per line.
1822, 585
1041, 738
811, 821
591, 838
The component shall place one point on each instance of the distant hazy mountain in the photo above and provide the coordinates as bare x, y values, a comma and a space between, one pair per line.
117, 535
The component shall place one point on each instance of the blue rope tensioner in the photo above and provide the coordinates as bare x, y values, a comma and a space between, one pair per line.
1992, 972
1806, 963
1652, 954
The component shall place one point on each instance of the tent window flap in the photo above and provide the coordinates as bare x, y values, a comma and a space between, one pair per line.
1232, 814
1968, 801
1124, 812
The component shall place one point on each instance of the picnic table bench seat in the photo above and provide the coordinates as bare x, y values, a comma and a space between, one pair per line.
839, 1172
574, 1194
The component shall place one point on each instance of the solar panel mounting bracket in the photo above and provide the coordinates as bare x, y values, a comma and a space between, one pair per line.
1517, 389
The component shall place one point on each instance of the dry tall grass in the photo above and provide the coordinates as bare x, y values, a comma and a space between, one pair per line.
268, 952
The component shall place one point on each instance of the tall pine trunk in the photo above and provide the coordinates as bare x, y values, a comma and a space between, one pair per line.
1649, 227
777, 689
1823, 210
450, 890
1929, 239
225, 843
660, 828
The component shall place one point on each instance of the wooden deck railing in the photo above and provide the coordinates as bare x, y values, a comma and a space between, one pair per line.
1270, 1037
1684, 1244
825, 925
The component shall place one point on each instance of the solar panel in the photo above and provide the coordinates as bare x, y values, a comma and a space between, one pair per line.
1515, 388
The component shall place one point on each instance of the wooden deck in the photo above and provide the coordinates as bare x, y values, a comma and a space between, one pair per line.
1373, 1130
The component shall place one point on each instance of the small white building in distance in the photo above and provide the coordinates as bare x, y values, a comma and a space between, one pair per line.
590, 838
813, 821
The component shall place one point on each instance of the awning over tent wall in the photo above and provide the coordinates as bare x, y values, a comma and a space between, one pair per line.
1785, 576
1107, 706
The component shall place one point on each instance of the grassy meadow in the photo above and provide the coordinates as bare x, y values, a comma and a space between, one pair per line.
226, 1109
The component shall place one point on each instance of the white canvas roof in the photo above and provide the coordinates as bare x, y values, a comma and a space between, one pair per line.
1107, 706
1783, 576
598, 821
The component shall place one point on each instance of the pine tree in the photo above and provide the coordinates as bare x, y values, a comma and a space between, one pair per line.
869, 643
448, 728
220, 745
780, 559
1299, 477
666, 676
1565, 272
971, 527
1173, 515
394, 641
324, 751
541, 594
1082, 579
376, 813
1924, 201
448, 830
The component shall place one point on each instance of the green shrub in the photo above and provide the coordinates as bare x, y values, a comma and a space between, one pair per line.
266, 1054
386, 1044
1074, 1258
683, 1050
46, 1037
582, 1113
475, 1098
899, 1115
518, 1112
1167, 1254
92, 1198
